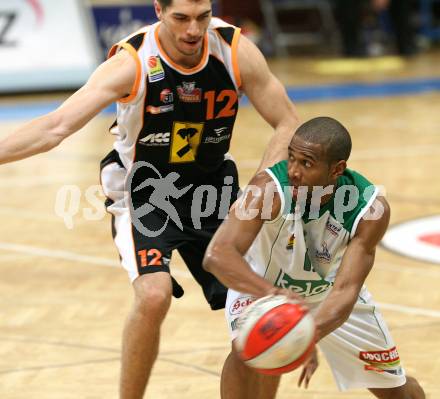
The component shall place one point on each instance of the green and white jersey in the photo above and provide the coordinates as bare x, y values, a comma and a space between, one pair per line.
302, 251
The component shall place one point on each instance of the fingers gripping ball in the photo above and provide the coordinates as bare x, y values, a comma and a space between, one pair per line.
275, 335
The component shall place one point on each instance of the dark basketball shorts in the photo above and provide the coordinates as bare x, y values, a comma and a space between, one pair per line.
143, 251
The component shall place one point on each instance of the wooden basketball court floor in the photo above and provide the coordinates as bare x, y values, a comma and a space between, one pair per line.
64, 299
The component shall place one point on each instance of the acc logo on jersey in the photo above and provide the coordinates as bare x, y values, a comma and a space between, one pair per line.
155, 69
189, 93
156, 139
185, 141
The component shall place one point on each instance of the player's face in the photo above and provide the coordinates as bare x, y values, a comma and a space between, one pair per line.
185, 23
308, 166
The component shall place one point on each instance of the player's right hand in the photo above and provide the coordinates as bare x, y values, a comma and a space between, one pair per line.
291, 295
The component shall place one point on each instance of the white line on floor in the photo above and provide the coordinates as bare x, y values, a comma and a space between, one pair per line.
410, 310
94, 260
71, 256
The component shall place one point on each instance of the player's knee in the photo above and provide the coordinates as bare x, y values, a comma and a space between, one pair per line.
152, 298
414, 388
154, 303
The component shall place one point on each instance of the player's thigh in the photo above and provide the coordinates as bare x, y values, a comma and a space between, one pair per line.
362, 353
192, 252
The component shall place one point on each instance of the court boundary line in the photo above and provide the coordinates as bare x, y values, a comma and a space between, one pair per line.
299, 94
99, 261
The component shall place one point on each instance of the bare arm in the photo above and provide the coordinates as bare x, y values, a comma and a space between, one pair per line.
270, 99
224, 256
356, 264
110, 82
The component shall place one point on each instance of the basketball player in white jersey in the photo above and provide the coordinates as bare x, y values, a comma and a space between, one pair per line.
316, 236
177, 85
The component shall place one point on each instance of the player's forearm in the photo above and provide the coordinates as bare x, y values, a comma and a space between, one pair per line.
234, 272
39, 135
276, 150
333, 312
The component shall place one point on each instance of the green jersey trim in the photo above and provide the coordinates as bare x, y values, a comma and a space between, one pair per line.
347, 183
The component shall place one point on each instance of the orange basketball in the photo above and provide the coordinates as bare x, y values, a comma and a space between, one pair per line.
275, 335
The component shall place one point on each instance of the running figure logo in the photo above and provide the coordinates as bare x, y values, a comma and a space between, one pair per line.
164, 188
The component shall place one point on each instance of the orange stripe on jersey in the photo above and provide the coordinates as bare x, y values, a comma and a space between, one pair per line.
234, 55
137, 82
179, 67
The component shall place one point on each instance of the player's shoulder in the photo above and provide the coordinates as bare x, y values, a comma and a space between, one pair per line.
262, 193
217, 23
352, 177
226, 31
136, 38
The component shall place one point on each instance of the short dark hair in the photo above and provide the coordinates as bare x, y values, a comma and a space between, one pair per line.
331, 134
166, 3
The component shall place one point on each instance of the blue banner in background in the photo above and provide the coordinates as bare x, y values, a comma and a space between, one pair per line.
113, 23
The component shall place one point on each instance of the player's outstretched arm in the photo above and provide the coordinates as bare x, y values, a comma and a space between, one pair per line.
224, 256
111, 81
356, 264
269, 97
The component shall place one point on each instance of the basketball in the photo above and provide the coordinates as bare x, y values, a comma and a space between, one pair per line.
275, 335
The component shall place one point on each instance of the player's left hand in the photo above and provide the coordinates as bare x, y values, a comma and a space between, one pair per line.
308, 369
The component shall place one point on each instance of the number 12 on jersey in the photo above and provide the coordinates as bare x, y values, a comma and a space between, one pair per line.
212, 98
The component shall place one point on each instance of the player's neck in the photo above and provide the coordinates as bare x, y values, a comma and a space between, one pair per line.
185, 61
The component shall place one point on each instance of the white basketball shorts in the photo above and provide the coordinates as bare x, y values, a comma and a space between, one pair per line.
361, 353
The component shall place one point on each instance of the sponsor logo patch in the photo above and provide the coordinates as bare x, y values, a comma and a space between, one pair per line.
155, 69
388, 357
219, 138
220, 130
323, 255
186, 137
160, 110
240, 304
291, 242
234, 324
333, 228
166, 96
189, 93
304, 288
216, 140
156, 139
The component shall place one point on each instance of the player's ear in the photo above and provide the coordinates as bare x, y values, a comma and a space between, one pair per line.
158, 10
338, 168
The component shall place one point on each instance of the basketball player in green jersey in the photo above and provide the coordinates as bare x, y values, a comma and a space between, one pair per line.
177, 84
310, 226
